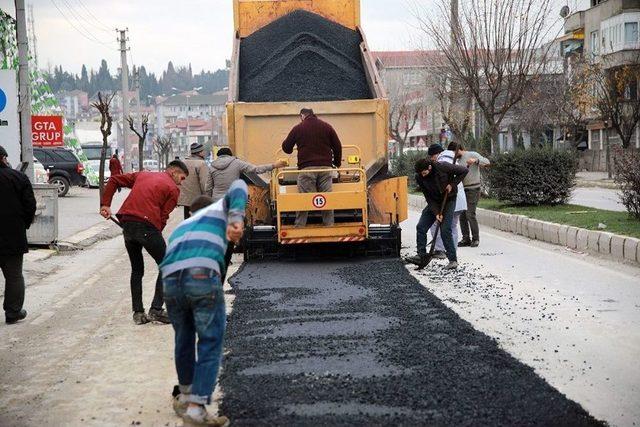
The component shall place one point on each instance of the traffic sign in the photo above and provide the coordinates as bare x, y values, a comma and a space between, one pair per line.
47, 131
319, 201
9, 123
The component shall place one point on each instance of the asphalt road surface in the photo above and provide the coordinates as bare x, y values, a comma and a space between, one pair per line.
599, 198
363, 343
79, 360
573, 317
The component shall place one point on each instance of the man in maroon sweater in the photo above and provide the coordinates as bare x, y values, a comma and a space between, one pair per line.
318, 148
143, 216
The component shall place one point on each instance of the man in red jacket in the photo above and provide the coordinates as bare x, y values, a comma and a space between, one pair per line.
318, 148
143, 216
115, 167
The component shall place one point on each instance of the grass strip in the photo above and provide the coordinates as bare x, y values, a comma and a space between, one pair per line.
574, 215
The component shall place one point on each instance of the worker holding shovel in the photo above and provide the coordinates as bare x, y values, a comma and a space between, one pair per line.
143, 216
439, 184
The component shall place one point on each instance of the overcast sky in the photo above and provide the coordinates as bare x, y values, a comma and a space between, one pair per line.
73, 32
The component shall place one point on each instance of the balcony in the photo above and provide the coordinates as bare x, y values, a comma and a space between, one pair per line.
620, 33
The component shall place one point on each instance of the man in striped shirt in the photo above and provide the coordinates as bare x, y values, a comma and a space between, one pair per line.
191, 271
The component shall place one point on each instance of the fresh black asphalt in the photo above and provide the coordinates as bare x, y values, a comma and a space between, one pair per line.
362, 344
302, 57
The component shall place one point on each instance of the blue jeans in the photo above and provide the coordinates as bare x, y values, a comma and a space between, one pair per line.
195, 303
426, 221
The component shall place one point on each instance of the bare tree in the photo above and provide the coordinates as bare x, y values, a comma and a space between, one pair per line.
163, 147
493, 48
142, 136
455, 105
102, 105
406, 105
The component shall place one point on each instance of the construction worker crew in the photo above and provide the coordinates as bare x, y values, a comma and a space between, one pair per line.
318, 148
17, 211
143, 216
435, 179
196, 183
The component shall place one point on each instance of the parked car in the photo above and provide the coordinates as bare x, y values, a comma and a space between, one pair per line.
64, 167
39, 172
95, 164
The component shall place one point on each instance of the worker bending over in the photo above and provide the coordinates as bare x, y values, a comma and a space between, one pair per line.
192, 273
143, 215
436, 179
318, 148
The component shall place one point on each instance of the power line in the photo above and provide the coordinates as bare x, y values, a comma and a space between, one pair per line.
83, 34
79, 20
104, 28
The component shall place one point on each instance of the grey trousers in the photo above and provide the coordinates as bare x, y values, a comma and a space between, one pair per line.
312, 182
468, 218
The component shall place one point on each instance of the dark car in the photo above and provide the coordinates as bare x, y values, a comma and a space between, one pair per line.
65, 170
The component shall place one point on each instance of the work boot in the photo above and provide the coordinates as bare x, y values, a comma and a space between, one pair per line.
15, 318
464, 243
420, 260
453, 265
475, 243
158, 315
439, 255
180, 405
139, 318
203, 418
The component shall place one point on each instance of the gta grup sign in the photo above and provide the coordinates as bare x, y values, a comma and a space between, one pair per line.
47, 131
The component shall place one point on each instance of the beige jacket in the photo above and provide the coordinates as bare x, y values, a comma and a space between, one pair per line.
196, 183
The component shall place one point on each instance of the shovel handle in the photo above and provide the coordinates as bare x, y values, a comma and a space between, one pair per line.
114, 219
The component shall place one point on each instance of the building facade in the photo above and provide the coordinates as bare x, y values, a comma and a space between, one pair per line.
607, 33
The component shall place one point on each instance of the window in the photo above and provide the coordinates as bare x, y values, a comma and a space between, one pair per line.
630, 32
594, 42
67, 156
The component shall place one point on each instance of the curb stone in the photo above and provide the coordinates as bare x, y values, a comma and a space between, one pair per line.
619, 247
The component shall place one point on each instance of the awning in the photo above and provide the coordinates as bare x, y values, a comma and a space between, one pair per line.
574, 35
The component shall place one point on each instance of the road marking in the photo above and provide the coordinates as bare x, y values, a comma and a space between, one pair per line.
42, 318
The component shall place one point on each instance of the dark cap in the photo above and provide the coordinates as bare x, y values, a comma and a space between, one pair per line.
3, 152
435, 149
197, 148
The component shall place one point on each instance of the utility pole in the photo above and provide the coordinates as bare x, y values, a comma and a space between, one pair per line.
125, 98
24, 88
32, 36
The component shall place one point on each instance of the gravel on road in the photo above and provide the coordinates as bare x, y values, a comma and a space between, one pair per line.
302, 57
363, 343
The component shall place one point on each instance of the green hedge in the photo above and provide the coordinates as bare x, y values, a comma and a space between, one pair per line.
404, 165
627, 175
537, 176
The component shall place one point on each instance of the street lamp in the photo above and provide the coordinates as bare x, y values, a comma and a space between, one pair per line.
196, 89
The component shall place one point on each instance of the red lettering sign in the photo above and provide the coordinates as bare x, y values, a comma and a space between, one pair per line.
47, 131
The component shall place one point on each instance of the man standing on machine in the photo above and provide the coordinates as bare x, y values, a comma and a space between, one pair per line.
318, 148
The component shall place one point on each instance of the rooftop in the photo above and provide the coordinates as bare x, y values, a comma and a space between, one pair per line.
404, 59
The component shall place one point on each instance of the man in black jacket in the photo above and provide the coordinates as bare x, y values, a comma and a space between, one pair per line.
17, 210
435, 180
